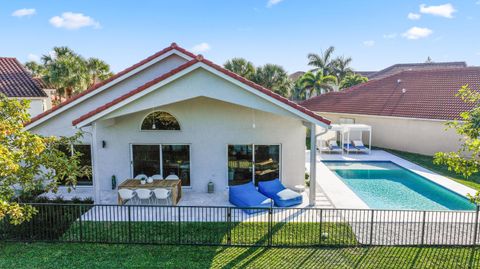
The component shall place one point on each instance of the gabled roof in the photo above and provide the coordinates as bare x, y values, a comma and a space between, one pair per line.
99, 86
197, 61
426, 94
397, 68
15, 81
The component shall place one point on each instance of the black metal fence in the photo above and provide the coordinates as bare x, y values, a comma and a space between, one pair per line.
294, 227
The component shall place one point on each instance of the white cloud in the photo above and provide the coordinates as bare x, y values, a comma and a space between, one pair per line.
390, 36
271, 3
202, 47
72, 21
413, 16
445, 10
417, 33
24, 12
33, 57
369, 43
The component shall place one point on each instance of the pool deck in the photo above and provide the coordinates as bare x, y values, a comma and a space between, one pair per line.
342, 197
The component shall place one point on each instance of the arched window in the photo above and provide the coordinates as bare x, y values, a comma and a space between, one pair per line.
160, 120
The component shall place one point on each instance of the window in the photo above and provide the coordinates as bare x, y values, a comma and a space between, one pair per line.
160, 120
85, 160
253, 162
164, 160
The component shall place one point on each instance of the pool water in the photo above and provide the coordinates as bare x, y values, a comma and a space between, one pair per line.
385, 185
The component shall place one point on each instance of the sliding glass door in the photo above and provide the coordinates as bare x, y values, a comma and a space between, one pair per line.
163, 160
253, 163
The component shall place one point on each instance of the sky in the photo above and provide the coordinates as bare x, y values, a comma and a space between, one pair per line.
375, 33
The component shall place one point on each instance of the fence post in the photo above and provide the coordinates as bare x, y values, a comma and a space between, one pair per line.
179, 219
80, 223
423, 228
229, 226
475, 228
320, 232
269, 226
371, 226
129, 224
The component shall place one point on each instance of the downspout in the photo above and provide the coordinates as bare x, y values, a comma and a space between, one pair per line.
313, 162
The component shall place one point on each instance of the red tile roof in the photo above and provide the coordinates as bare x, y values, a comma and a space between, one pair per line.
428, 94
15, 81
117, 75
200, 58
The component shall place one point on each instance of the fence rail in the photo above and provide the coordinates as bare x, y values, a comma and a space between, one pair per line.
291, 227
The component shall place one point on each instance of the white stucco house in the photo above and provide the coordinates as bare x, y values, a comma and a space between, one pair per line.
178, 113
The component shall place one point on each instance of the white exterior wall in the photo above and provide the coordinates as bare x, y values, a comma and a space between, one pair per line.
37, 106
411, 135
208, 126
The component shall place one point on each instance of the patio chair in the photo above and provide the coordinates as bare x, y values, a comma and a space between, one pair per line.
144, 195
172, 177
358, 144
126, 195
246, 195
140, 176
157, 177
333, 147
349, 147
162, 194
282, 196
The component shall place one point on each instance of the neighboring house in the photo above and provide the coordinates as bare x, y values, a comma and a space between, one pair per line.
407, 110
16, 82
177, 113
397, 68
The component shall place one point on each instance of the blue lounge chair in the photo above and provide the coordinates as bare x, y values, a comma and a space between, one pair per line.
349, 147
246, 195
360, 146
282, 196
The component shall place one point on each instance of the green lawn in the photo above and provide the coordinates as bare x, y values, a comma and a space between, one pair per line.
73, 255
427, 162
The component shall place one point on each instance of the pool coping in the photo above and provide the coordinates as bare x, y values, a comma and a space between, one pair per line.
343, 197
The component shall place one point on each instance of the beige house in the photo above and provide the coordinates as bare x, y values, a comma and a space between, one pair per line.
407, 110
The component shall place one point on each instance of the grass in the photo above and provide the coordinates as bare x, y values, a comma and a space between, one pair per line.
241, 233
427, 162
73, 255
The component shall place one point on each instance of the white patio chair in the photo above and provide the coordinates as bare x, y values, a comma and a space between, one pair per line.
126, 195
172, 177
157, 177
144, 195
162, 194
140, 176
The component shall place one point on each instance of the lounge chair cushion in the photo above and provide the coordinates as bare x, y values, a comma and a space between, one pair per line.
359, 145
246, 195
282, 196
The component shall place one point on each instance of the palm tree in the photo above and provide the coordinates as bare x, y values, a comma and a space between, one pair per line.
322, 62
68, 74
241, 67
341, 67
37, 70
317, 82
273, 77
297, 92
98, 70
352, 80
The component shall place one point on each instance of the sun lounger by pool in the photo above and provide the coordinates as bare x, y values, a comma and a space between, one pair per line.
282, 196
246, 195
358, 144
349, 147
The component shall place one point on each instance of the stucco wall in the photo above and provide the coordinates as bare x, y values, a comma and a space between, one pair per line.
208, 126
37, 106
411, 135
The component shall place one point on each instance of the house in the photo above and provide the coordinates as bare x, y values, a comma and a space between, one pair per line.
178, 113
397, 68
407, 110
16, 82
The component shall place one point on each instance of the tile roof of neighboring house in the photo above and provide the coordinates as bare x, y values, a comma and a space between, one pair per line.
367, 74
428, 94
42, 83
15, 81
397, 68
117, 75
198, 59
296, 75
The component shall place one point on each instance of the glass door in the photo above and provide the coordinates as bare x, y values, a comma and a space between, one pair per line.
267, 162
176, 161
240, 164
146, 160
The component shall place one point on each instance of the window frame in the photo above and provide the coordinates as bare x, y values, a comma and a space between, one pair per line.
159, 130
72, 149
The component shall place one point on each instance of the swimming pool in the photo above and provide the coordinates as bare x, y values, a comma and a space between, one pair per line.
385, 185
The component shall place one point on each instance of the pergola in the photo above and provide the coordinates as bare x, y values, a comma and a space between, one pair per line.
345, 131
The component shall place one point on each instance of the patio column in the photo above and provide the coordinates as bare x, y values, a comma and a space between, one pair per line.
313, 165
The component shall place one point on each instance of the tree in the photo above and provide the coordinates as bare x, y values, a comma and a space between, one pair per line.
317, 82
352, 80
98, 70
466, 160
341, 67
273, 77
37, 70
241, 67
28, 160
298, 92
322, 62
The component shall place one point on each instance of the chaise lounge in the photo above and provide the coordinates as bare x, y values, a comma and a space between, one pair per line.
282, 196
246, 195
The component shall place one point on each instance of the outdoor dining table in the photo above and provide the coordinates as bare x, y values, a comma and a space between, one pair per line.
174, 185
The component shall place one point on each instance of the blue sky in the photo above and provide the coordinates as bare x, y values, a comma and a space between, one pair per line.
375, 33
